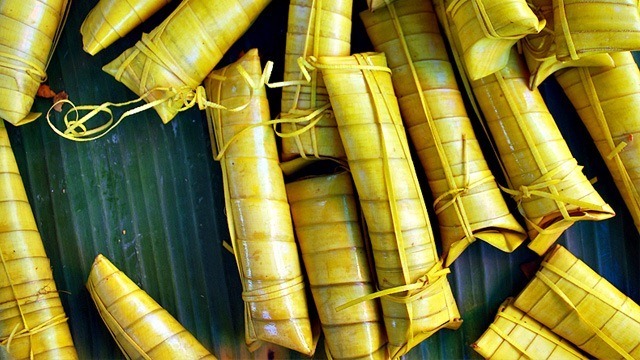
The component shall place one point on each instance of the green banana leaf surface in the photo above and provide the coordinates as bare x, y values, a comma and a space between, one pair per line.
149, 197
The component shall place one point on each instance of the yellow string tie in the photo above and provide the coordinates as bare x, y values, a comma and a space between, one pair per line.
565, 29
546, 181
275, 291
34, 70
422, 284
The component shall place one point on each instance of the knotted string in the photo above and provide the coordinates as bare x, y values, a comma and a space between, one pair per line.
546, 180
315, 19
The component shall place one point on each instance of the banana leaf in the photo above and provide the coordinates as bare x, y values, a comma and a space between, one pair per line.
149, 196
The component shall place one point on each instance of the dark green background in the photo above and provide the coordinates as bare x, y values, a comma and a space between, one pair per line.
149, 197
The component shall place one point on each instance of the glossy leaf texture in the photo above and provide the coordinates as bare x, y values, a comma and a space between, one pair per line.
149, 196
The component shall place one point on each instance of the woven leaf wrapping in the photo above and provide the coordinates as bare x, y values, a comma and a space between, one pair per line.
585, 27
257, 210
402, 242
168, 64
513, 335
32, 319
540, 49
140, 326
469, 203
110, 20
326, 221
315, 28
578, 304
608, 102
29, 30
487, 30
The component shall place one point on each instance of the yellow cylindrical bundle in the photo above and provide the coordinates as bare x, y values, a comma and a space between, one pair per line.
140, 326
572, 300
168, 64
29, 30
469, 203
257, 210
417, 299
545, 179
110, 20
584, 27
32, 320
540, 49
327, 224
514, 335
608, 102
487, 30
315, 28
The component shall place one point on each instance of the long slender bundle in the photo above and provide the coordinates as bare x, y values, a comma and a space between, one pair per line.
608, 102
416, 296
585, 27
543, 177
468, 203
514, 335
315, 28
140, 326
32, 320
110, 20
487, 30
29, 31
257, 210
326, 220
576, 303
167, 65
540, 49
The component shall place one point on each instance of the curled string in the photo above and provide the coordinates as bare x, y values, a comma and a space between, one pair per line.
76, 127
584, 319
